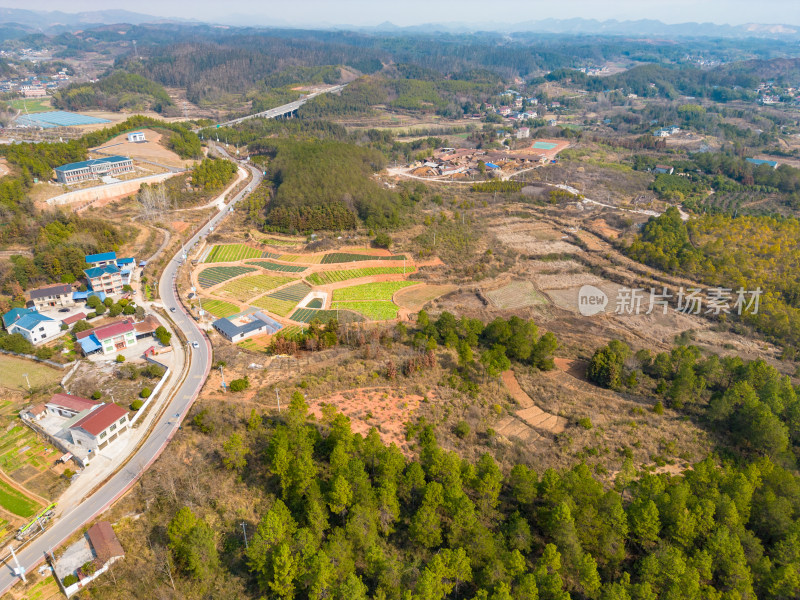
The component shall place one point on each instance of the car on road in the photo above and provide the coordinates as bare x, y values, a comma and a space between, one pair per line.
63, 310
172, 309
195, 345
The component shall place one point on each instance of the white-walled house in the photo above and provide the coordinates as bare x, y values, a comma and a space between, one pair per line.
100, 427
35, 327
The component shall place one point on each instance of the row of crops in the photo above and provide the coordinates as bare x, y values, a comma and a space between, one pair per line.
215, 275
306, 315
248, 287
324, 277
282, 301
341, 257
374, 311
273, 266
236, 252
366, 292
220, 308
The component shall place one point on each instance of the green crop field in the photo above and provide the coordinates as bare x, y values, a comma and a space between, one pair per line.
374, 311
291, 332
271, 266
37, 105
250, 286
324, 277
309, 259
342, 257
315, 303
295, 292
220, 308
306, 315
214, 275
16, 502
13, 370
274, 305
234, 252
383, 290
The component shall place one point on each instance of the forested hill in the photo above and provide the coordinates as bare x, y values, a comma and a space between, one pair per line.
117, 91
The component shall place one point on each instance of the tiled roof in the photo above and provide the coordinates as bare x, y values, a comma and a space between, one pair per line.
53, 290
148, 325
112, 330
73, 318
99, 271
103, 256
100, 419
104, 541
72, 402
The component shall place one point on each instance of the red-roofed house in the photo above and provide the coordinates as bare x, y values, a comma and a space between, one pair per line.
100, 427
108, 338
73, 318
66, 405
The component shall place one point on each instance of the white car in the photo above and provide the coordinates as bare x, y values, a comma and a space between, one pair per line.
195, 345
172, 309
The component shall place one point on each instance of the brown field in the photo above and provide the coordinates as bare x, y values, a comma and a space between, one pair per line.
517, 294
382, 408
151, 150
415, 298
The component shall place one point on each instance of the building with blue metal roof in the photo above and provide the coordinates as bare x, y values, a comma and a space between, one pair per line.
760, 161
35, 327
102, 259
106, 279
14, 315
93, 169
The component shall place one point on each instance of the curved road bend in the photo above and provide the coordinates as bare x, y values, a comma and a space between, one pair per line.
164, 428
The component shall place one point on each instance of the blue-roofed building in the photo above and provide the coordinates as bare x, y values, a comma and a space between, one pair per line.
102, 259
124, 261
258, 324
93, 169
760, 161
35, 327
15, 314
491, 166
84, 296
107, 279
90, 345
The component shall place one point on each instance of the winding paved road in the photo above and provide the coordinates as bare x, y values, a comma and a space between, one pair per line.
164, 427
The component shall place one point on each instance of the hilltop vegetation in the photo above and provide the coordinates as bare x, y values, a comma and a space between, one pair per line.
118, 91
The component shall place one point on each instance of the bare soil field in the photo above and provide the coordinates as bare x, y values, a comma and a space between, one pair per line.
152, 149
517, 294
415, 298
383, 408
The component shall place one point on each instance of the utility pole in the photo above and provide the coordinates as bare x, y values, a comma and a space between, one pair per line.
221, 374
244, 529
279, 399
25, 375
19, 570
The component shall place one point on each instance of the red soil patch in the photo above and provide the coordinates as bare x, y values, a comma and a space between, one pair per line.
574, 367
179, 226
531, 414
603, 228
382, 408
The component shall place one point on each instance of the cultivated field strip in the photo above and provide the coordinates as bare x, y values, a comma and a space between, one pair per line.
324, 277
309, 259
295, 292
236, 252
220, 308
343, 257
306, 315
366, 292
282, 302
374, 311
250, 286
272, 266
214, 275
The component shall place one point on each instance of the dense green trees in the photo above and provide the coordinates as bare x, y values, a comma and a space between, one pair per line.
213, 174
117, 91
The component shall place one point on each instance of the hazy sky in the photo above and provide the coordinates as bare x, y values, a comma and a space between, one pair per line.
410, 12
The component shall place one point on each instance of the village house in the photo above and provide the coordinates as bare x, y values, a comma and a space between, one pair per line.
100, 427
52, 296
108, 338
33, 326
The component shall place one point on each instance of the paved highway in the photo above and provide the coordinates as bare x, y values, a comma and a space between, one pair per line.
280, 110
163, 429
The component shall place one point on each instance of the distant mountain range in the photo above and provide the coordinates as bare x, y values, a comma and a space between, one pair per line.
30, 21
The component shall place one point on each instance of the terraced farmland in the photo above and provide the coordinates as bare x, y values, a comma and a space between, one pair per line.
517, 294
315, 303
309, 259
284, 300
272, 266
383, 290
244, 288
214, 275
235, 252
220, 308
342, 257
324, 277
374, 311
306, 315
